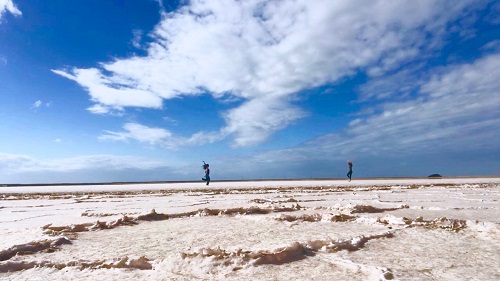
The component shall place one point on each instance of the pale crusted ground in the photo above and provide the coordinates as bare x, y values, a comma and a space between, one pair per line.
446, 229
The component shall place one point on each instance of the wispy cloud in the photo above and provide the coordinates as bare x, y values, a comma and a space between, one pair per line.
105, 110
400, 84
493, 16
12, 163
38, 104
136, 40
170, 120
264, 53
159, 136
112, 92
455, 110
8, 6
139, 133
257, 119
493, 46
93, 168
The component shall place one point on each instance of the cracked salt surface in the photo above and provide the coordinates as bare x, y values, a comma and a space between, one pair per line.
381, 230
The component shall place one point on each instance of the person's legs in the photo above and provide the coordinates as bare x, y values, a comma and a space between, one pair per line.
208, 179
349, 175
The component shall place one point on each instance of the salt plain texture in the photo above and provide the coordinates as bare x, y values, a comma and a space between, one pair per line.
408, 229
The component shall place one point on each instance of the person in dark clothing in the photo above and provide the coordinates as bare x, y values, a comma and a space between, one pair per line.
207, 172
349, 174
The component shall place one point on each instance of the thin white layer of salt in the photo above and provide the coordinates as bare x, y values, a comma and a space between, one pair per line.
423, 246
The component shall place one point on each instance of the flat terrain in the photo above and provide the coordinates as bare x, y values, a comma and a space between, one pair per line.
393, 229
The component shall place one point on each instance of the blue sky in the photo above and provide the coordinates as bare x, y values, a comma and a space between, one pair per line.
144, 90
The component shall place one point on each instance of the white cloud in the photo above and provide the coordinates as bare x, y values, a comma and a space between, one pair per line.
40, 103
98, 109
159, 136
136, 40
106, 110
264, 52
492, 46
93, 168
9, 6
170, 120
112, 92
398, 85
255, 120
493, 16
12, 163
455, 110
200, 138
140, 133
160, 3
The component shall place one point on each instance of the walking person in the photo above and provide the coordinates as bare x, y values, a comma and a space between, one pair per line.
349, 174
207, 172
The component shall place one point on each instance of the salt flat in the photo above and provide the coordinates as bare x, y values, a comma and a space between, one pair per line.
398, 229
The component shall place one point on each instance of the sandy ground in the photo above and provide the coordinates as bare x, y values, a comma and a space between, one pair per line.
413, 229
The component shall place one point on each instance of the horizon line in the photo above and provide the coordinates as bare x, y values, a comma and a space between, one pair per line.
233, 180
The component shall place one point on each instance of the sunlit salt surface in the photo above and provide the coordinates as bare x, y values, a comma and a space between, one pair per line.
406, 229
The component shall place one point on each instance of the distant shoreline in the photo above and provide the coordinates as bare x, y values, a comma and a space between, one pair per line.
238, 180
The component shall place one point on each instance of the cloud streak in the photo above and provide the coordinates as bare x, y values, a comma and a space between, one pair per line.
264, 53
13, 163
456, 110
158, 136
8, 6
92, 168
38, 104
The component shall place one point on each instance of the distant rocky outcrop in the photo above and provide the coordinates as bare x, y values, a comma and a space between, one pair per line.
435, 176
